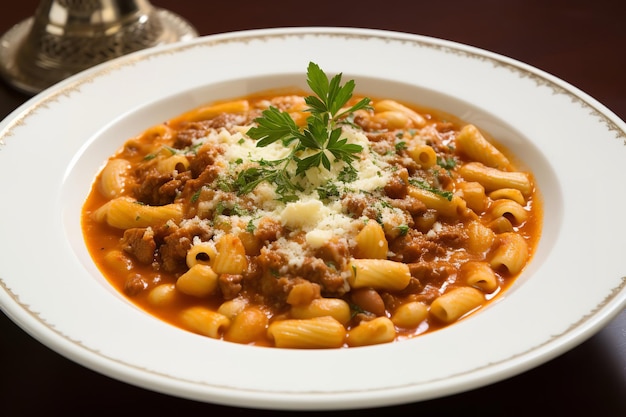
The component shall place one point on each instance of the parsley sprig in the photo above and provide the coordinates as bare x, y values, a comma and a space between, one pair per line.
311, 147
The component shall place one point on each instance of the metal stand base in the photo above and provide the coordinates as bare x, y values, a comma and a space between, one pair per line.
32, 60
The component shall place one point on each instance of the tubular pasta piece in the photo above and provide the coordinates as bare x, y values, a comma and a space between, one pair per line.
472, 143
318, 332
126, 213
494, 179
479, 275
303, 293
209, 112
510, 254
455, 303
247, 326
231, 255
424, 155
501, 225
509, 209
371, 242
320, 307
205, 321
113, 178
232, 307
199, 281
161, 132
372, 332
474, 195
379, 274
481, 238
173, 163
201, 253
162, 295
410, 315
119, 262
392, 105
251, 243
393, 119
509, 194
455, 207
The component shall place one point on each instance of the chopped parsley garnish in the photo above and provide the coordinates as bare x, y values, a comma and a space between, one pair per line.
248, 179
310, 147
404, 229
250, 227
426, 186
328, 191
230, 209
448, 163
348, 174
196, 196
224, 184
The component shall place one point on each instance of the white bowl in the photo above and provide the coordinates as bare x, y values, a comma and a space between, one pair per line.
53, 146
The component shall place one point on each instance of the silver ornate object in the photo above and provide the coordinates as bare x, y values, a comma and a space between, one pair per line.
65, 37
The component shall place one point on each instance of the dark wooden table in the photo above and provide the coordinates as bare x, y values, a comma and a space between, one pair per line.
582, 42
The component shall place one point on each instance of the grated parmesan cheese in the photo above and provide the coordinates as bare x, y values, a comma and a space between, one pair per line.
320, 222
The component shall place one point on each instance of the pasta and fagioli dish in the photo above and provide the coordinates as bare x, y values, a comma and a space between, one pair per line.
301, 221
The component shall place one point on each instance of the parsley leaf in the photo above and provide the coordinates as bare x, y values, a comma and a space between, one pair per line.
318, 144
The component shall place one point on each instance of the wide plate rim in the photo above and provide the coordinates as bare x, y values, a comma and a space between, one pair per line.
49, 335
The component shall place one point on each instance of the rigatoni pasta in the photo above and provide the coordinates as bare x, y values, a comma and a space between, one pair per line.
410, 220
314, 333
456, 303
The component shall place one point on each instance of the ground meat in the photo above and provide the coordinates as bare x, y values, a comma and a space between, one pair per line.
191, 132
444, 178
148, 188
229, 285
227, 120
262, 277
414, 286
206, 177
288, 103
334, 252
140, 243
171, 189
379, 136
206, 157
278, 280
414, 247
411, 205
453, 236
361, 118
330, 281
417, 246
355, 204
135, 284
263, 280
397, 185
268, 230
173, 253
430, 273
177, 242
197, 130
383, 147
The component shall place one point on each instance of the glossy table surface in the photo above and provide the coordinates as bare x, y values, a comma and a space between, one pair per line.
581, 42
